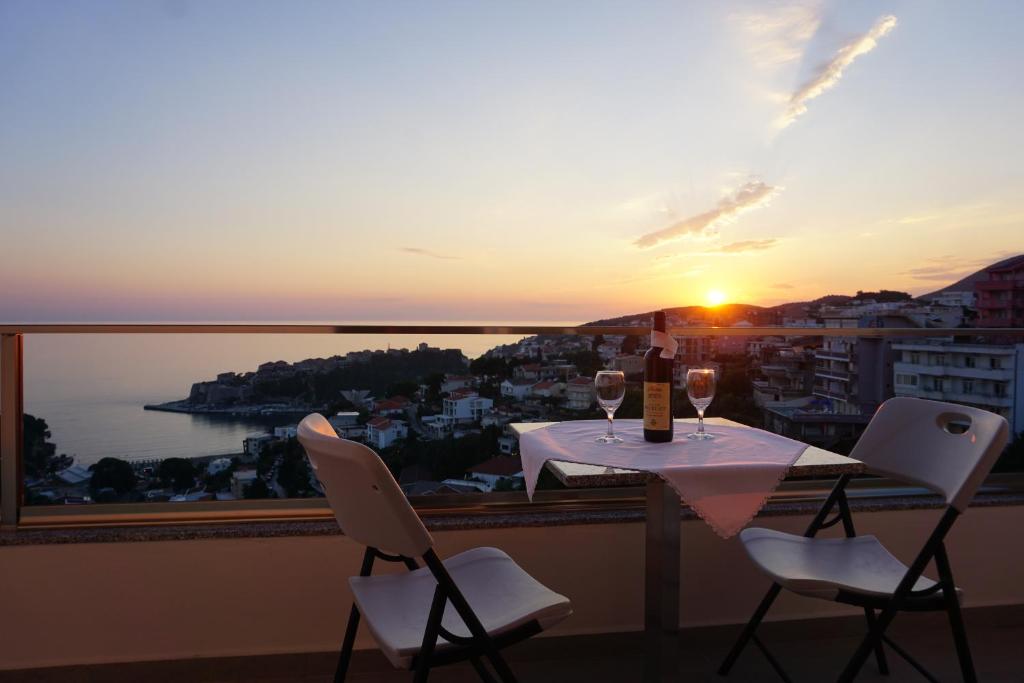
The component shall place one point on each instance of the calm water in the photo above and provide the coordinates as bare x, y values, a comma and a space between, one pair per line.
91, 388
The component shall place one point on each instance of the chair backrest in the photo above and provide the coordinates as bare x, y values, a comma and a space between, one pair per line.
947, 447
366, 500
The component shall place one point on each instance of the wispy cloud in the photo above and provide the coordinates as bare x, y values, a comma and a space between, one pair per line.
782, 285
776, 35
745, 245
951, 268
426, 252
828, 74
750, 195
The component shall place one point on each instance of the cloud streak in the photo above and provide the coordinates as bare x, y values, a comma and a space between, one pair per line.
751, 195
745, 246
829, 73
432, 254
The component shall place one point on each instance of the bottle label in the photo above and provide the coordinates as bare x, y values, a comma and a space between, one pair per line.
657, 405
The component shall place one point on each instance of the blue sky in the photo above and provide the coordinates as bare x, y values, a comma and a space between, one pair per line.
276, 160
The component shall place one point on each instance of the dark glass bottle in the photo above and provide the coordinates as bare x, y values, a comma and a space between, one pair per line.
657, 388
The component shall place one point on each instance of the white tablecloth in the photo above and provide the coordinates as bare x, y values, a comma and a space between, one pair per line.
726, 480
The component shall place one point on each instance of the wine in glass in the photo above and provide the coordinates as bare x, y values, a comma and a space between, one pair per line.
610, 386
700, 388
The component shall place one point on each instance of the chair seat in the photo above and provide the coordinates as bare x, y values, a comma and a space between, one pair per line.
503, 595
822, 567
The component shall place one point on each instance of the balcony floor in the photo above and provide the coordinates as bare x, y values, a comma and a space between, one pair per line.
810, 650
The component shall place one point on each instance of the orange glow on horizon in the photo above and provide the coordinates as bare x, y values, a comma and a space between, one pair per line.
715, 297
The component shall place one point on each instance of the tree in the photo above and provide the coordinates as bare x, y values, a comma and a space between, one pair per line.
40, 454
587, 362
294, 473
178, 473
112, 473
402, 388
490, 366
257, 489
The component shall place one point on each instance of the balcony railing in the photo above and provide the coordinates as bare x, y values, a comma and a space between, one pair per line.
12, 342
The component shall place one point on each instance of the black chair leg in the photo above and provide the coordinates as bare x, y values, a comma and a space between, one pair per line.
956, 617
749, 629
883, 664
481, 670
963, 649
347, 645
430, 636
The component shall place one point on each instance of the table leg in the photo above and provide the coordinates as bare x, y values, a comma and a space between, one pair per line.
661, 584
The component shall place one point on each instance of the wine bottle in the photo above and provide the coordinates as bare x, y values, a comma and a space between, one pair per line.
658, 383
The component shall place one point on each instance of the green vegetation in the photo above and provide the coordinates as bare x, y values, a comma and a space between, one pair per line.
448, 458
40, 455
112, 473
177, 473
257, 489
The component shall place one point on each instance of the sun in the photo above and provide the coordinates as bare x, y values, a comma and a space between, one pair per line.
715, 297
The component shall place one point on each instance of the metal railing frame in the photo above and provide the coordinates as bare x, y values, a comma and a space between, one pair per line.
12, 340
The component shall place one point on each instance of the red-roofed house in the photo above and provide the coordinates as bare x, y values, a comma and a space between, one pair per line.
395, 405
381, 432
548, 389
497, 469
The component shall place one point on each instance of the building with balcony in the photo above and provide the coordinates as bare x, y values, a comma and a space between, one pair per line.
381, 432
854, 374
985, 376
1000, 297
813, 420
579, 393
465, 405
787, 374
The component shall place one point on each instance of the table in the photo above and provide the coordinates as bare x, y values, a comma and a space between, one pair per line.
662, 535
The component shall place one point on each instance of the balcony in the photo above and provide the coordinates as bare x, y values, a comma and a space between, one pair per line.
998, 375
832, 355
837, 375
255, 590
266, 602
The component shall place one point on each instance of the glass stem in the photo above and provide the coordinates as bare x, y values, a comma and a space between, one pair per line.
700, 421
610, 414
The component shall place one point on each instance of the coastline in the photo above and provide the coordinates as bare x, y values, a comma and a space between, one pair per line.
255, 411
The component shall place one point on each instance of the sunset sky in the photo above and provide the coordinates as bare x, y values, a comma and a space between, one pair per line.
185, 160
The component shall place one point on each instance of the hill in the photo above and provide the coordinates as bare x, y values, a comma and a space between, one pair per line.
967, 283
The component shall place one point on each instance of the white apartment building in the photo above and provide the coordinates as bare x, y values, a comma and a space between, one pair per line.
517, 388
579, 393
465, 405
381, 432
985, 376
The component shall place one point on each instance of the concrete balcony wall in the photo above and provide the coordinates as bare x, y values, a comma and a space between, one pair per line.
103, 602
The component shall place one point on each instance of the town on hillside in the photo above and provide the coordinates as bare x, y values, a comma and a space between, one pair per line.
441, 422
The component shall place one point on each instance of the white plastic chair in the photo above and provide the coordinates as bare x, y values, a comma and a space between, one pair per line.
466, 607
945, 447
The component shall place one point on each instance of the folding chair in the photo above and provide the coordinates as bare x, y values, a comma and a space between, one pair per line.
467, 607
945, 447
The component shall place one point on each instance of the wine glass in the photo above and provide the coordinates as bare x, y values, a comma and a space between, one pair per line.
611, 389
700, 388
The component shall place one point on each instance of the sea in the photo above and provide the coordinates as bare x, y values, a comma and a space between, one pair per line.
91, 389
